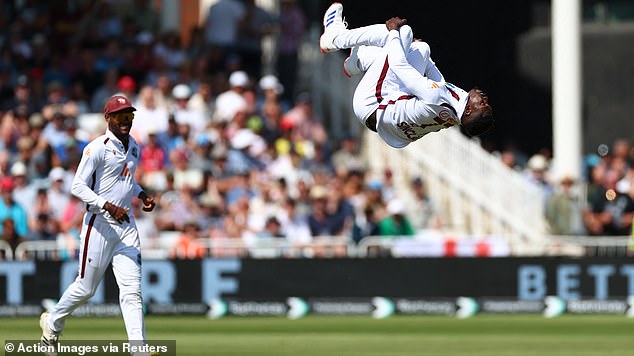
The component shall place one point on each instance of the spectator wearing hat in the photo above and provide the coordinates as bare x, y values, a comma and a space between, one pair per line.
395, 223
9, 208
563, 211
537, 173
184, 115
23, 192
228, 103
240, 159
272, 91
58, 191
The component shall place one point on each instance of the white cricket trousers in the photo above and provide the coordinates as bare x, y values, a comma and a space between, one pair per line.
102, 243
378, 80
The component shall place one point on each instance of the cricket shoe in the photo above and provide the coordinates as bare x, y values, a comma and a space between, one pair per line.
49, 337
351, 64
334, 24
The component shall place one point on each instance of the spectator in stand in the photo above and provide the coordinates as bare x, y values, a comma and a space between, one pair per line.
272, 91
296, 229
111, 57
45, 228
149, 116
537, 173
23, 192
202, 101
221, 31
346, 158
70, 227
184, 175
22, 96
231, 101
106, 90
240, 158
152, 163
10, 209
127, 87
11, 236
291, 32
187, 246
563, 211
330, 220
171, 51
253, 27
88, 75
186, 116
420, 209
147, 18
395, 223
609, 210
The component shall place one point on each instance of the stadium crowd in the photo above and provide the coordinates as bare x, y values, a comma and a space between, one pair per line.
230, 153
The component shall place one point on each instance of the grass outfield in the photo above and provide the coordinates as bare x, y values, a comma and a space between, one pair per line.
354, 335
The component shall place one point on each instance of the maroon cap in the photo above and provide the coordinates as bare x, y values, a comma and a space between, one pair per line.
117, 103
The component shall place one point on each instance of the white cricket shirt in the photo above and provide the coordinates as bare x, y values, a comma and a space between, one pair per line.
421, 105
106, 174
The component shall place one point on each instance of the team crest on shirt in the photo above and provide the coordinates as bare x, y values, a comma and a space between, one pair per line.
135, 153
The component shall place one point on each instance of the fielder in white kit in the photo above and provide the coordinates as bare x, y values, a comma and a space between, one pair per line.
105, 182
402, 95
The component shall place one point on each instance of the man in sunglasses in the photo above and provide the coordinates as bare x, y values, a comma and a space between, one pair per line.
105, 182
402, 95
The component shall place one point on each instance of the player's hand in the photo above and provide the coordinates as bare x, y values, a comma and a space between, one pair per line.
148, 203
118, 213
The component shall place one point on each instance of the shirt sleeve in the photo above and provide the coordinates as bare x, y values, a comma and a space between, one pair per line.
91, 158
415, 83
136, 189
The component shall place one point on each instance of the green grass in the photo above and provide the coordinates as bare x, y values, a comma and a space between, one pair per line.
355, 335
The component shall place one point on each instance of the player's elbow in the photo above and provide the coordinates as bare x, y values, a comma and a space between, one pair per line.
77, 188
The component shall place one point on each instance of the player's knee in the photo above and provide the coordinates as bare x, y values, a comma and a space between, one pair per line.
130, 296
86, 292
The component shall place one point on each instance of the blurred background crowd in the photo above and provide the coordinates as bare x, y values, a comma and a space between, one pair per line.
229, 151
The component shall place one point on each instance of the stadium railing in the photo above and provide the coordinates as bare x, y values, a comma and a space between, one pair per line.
474, 192
7, 251
368, 247
321, 246
39, 249
591, 246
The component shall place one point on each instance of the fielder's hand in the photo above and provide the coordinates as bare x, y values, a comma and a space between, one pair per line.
118, 213
395, 23
148, 202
